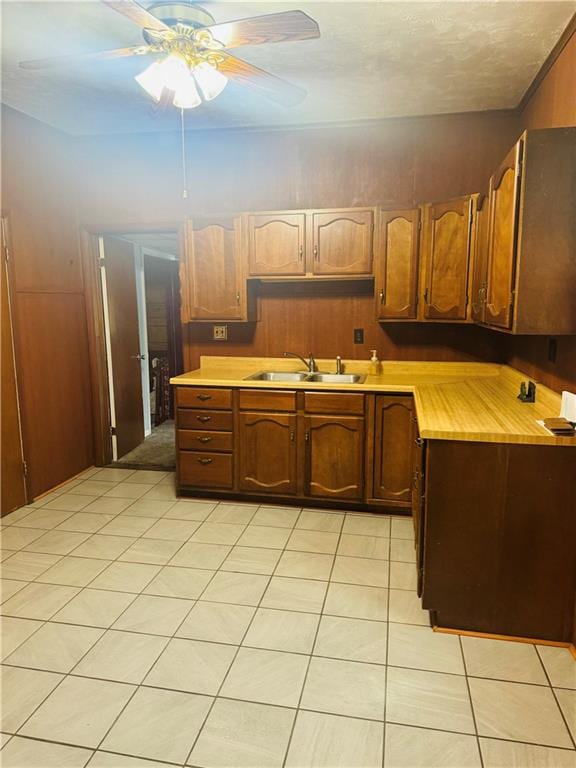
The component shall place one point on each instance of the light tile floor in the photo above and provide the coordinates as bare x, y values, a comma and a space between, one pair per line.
142, 630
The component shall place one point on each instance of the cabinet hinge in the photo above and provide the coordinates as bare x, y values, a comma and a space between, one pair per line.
6, 253
25, 468
519, 168
511, 302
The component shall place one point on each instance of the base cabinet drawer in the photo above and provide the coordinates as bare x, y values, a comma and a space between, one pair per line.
204, 397
220, 421
204, 440
205, 470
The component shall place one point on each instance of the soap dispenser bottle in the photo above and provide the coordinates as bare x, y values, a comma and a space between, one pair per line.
375, 368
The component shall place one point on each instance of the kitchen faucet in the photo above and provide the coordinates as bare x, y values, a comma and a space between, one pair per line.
310, 363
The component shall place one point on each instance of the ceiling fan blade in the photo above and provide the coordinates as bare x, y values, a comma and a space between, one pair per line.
274, 88
139, 15
60, 61
270, 28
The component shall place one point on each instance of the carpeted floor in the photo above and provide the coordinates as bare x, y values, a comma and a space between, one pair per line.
157, 450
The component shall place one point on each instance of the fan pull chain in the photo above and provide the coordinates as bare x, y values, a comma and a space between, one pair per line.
183, 143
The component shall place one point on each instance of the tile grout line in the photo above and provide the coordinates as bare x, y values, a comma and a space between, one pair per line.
387, 655
471, 701
216, 696
310, 657
566, 725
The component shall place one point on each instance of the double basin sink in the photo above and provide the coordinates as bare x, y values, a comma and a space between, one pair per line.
308, 378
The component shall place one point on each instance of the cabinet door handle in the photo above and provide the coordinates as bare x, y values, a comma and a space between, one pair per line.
237, 297
292, 436
205, 439
316, 257
205, 461
203, 419
204, 397
426, 296
301, 252
307, 436
419, 442
381, 297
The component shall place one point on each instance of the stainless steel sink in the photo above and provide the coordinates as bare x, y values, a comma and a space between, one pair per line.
278, 376
309, 378
336, 378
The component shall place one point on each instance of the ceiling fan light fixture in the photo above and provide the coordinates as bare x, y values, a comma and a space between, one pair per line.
186, 95
152, 80
211, 81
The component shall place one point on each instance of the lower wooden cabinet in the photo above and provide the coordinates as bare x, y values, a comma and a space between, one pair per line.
334, 456
343, 446
393, 454
267, 453
205, 470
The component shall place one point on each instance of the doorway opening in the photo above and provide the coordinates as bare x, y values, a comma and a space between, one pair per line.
140, 297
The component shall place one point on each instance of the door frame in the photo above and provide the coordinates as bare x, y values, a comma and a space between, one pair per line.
7, 263
89, 235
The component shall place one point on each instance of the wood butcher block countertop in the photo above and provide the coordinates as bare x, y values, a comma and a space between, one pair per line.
454, 401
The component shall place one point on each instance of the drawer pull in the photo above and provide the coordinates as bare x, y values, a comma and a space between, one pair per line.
203, 419
204, 397
205, 439
205, 461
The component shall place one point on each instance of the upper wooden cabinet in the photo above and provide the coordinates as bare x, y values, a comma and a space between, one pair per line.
310, 243
446, 249
342, 242
503, 222
531, 270
276, 243
396, 265
212, 281
480, 266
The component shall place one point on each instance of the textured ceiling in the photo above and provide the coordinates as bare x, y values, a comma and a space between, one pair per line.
373, 60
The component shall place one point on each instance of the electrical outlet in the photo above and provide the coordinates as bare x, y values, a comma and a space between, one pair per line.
219, 332
358, 335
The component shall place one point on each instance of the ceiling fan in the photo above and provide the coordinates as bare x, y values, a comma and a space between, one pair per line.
192, 50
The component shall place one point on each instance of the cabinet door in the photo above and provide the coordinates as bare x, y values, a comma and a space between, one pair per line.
396, 265
276, 244
334, 454
418, 503
342, 242
267, 452
212, 273
479, 274
504, 197
393, 448
448, 252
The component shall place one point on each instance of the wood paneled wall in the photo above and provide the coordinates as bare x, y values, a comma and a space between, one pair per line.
394, 163
39, 194
553, 105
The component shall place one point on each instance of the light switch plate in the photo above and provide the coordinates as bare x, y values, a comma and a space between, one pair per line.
219, 332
